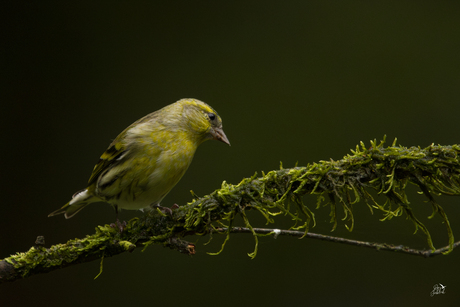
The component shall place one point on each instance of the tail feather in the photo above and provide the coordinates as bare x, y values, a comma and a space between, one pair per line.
79, 201
69, 210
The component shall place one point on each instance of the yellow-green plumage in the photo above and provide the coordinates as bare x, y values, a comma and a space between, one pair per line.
149, 157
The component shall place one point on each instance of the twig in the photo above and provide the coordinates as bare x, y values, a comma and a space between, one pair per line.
373, 245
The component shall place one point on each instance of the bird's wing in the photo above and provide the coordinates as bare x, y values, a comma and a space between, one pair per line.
108, 159
117, 150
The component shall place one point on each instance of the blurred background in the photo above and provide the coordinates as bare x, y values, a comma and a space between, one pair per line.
294, 81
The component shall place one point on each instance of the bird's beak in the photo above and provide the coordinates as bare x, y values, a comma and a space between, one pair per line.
218, 134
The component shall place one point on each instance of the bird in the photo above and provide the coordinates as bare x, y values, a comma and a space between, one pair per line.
147, 159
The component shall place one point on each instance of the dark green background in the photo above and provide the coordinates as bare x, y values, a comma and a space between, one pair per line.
293, 81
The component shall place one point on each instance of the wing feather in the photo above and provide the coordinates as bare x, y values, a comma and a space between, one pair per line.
109, 158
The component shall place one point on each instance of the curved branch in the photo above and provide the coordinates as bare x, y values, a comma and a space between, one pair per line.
387, 170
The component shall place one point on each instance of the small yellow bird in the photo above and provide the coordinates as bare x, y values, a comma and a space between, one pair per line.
149, 157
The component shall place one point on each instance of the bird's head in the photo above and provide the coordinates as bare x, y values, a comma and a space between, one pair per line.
202, 120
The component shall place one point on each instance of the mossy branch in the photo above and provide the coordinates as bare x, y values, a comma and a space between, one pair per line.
387, 170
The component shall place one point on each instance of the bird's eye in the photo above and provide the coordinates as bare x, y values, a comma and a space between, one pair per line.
212, 116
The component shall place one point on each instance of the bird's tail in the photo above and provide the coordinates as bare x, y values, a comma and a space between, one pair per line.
79, 201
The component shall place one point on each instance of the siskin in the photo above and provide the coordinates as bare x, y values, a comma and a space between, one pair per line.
149, 157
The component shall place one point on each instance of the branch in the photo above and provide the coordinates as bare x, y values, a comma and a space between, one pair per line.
387, 170
153, 227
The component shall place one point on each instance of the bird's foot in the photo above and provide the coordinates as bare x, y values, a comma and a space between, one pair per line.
168, 210
119, 225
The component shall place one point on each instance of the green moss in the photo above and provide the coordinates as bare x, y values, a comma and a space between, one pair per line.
344, 183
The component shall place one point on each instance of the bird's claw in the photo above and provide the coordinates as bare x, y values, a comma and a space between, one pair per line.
167, 210
119, 225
